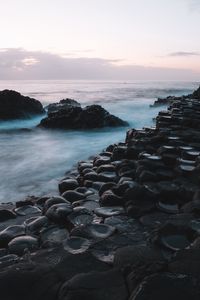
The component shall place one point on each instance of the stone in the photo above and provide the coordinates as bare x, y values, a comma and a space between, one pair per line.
133, 256
10, 233
27, 210
108, 198
58, 213
186, 262
34, 226
108, 285
175, 236
73, 196
139, 201
93, 231
22, 243
73, 117
81, 216
29, 281
196, 94
62, 104
107, 211
166, 286
67, 184
106, 186
53, 236
76, 245
6, 214
15, 106
8, 260
54, 200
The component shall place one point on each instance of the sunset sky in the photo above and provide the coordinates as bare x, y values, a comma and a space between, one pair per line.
100, 39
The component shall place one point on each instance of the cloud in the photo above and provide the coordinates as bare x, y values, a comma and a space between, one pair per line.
183, 53
17, 63
194, 5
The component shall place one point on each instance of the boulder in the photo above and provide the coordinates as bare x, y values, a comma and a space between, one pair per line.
13, 105
166, 286
63, 104
75, 117
196, 94
95, 285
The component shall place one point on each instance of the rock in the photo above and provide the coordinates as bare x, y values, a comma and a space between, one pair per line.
73, 196
139, 201
81, 216
8, 260
166, 286
53, 236
108, 285
91, 176
89, 205
10, 233
108, 198
58, 213
106, 186
101, 160
175, 236
106, 168
109, 211
19, 244
54, 200
93, 116
15, 106
133, 256
67, 184
171, 208
3, 252
23, 203
29, 281
76, 245
6, 214
27, 210
63, 104
186, 262
146, 176
163, 101
93, 231
84, 165
34, 226
196, 94
41, 201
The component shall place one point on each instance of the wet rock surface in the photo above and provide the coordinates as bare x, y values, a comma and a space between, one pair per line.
72, 116
126, 226
15, 106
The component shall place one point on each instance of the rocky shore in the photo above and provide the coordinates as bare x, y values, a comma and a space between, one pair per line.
125, 226
66, 114
13, 106
170, 99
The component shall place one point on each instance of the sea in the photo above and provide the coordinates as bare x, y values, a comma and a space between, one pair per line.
33, 161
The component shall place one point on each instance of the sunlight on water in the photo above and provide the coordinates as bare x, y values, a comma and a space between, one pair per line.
33, 161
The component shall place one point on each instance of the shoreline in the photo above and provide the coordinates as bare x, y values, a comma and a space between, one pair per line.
129, 216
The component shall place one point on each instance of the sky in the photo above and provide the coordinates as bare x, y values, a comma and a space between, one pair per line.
100, 39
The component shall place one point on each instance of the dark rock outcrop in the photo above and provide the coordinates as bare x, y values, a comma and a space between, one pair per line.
75, 117
196, 94
170, 99
63, 104
164, 101
13, 106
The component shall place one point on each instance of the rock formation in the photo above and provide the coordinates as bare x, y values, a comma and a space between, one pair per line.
15, 106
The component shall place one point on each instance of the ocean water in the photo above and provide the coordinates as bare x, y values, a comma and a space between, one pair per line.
32, 161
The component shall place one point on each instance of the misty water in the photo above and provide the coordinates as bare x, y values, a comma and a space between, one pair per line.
32, 161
